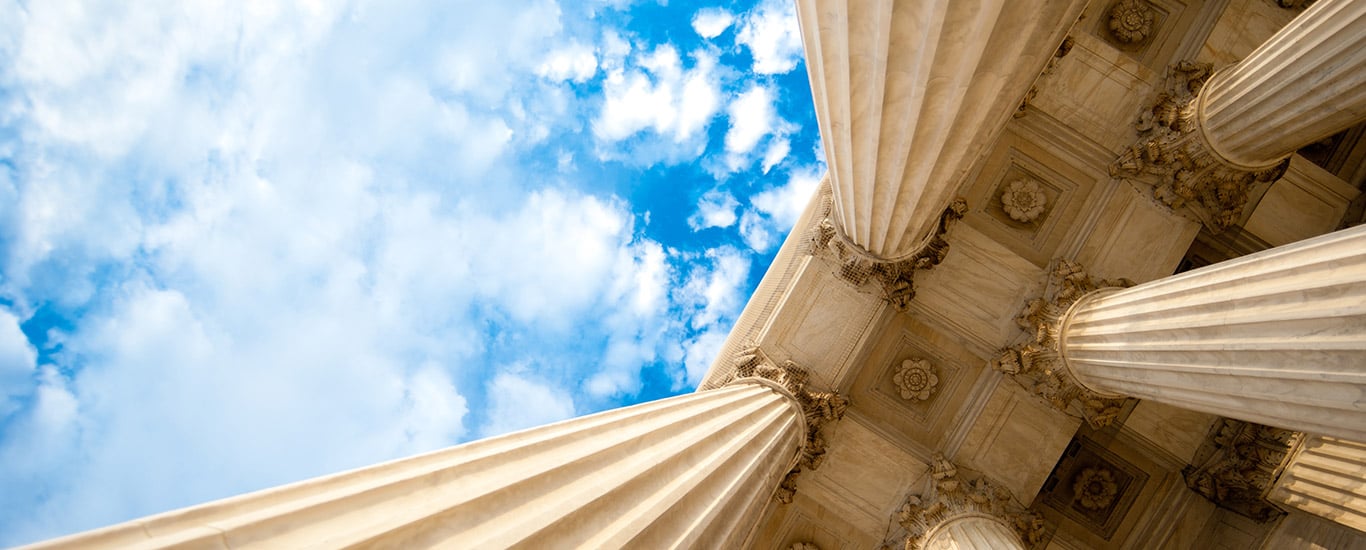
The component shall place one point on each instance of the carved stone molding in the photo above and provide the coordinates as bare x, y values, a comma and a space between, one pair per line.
1172, 155
915, 379
820, 408
1237, 464
804, 546
1297, 5
1036, 363
895, 277
1131, 21
953, 493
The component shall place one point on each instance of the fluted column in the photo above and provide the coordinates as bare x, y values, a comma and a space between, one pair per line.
907, 94
1324, 477
1302, 85
689, 471
966, 511
974, 532
1276, 338
1210, 141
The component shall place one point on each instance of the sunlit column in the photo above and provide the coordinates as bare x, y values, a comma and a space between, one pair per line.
907, 94
689, 471
1324, 477
1277, 338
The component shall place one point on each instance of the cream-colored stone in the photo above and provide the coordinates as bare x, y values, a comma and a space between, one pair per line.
1325, 477
908, 94
974, 532
1136, 238
864, 477
1276, 338
1094, 87
693, 470
1299, 531
1018, 439
1243, 25
1289, 93
1306, 202
1173, 429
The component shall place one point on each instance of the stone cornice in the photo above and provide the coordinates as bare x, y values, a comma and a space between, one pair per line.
1039, 362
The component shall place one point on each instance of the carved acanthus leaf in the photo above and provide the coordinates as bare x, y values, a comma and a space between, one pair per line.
896, 277
1036, 364
954, 493
1172, 156
819, 407
1236, 465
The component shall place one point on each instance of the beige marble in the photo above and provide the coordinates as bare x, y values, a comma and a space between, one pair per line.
1242, 27
908, 94
1306, 202
1300, 531
1173, 429
864, 478
1123, 242
1326, 477
1290, 91
1274, 338
973, 532
695, 470
1018, 439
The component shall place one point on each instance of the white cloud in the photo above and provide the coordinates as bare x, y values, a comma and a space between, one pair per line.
715, 292
751, 118
657, 94
776, 210
711, 22
573, 62
773, 37
714, 209
517, 402
778, 149
18, 359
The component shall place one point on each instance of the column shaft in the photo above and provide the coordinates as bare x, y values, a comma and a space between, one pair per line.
1324, 477
1277, 338
689, 471
974, 532
1302, 85
908, 94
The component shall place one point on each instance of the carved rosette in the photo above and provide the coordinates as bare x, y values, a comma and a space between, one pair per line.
1237, 464
915, 379
1173, 157
897, 278
1036, 363
820, 408
1131, 21
1023, 200
954, 493
1095, 488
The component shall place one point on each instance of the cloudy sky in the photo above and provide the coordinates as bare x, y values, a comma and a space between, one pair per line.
249, 242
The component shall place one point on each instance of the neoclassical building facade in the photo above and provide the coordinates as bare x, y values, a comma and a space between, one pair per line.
1080, 276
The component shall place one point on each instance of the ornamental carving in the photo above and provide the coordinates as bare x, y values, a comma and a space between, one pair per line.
819, 408
804, 546
1172, 156
1024, 200
1131, 21
915, 379
1095, 488
1237, 464
897, 278
1297, 5
953, 493
1036, 364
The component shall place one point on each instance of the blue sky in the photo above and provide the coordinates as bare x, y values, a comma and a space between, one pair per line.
249, 242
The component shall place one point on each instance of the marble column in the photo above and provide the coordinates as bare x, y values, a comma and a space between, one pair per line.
1211, 142
695, 470
1306, 83
966, 511
973, 532
908, 94
1276, 338
1323, 477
